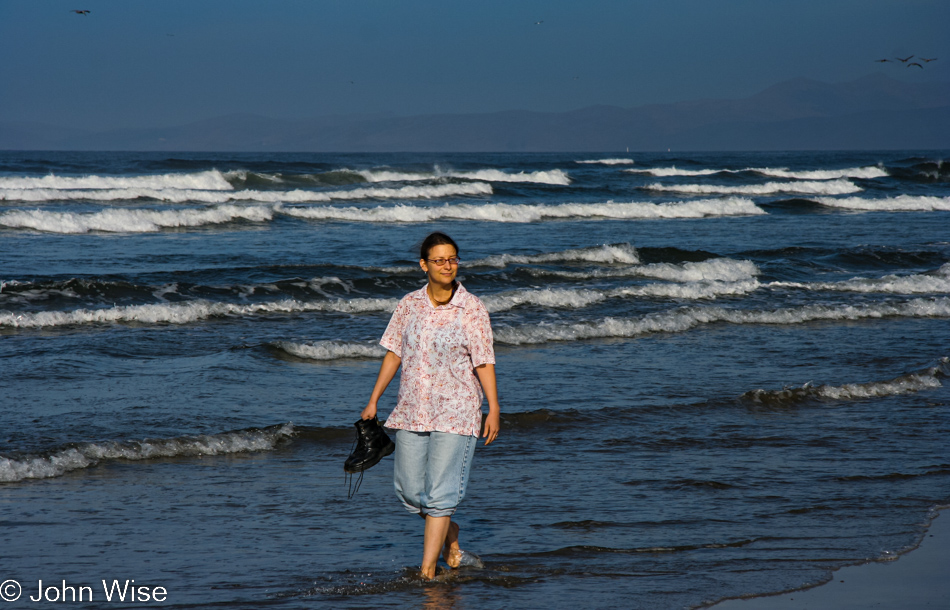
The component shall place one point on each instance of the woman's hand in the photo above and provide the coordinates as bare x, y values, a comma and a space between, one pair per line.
369, 412
492, 426
486, 375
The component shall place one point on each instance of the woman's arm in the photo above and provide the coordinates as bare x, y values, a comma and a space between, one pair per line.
486, 375
387, 370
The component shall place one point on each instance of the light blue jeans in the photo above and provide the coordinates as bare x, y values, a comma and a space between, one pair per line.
431, 470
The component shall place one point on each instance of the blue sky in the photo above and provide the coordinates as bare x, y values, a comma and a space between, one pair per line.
133, 63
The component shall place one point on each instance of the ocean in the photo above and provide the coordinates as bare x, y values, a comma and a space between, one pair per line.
720, 374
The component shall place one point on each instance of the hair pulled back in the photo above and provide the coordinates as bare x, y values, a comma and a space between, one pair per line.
436, 239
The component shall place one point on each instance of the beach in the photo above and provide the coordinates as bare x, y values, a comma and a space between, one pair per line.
917, 579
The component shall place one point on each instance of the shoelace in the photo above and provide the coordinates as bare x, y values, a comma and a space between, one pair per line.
348, 477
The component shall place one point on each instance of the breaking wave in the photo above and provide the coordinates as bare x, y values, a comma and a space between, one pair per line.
131, 221
86, 455
183, 195
681, 320
832, 187
187, 312
606, 162
331, 350
901, 203
719, 269
866, 173
554, 176
936, 282
502, 212
211, 180
606, 254
927, 379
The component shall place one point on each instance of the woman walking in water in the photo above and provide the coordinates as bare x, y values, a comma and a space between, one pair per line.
441, 336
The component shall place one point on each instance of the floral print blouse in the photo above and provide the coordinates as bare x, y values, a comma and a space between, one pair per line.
440, 348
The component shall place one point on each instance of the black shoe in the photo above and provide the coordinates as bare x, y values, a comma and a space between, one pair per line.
372, 445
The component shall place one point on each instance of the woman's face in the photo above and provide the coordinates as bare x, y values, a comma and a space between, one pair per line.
440, 274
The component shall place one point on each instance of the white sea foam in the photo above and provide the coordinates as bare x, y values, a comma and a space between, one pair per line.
193, 311
560, 298
502, 212
187, 312
830, 187
901, 203
606, 254
130, 220
576, 298
331, 350
674, 171
681, 320
688, 290
211, 180
178, 195
606, 162
554, 176
936, 282
86, 455
868, 172
718, 269
927, 379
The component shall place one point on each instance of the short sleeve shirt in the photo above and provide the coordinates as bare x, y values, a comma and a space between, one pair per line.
440, 348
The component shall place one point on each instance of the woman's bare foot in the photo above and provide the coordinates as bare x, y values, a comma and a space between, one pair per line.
451, 552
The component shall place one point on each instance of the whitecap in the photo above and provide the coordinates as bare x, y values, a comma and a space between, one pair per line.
211, 180
554, 176
331, 350
187, 312
177, 195
130, 220
935, 282
606, 254
718, 269
606, 162
831, 187
85, 455
911, 383
684, 319
502, 212
866, 173
901, 203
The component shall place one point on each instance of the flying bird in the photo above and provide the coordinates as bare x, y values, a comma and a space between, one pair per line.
914, 63
925, 60
538, 22
881, 61
80, 12
904, 61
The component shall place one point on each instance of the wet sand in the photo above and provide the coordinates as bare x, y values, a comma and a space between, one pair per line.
915, 580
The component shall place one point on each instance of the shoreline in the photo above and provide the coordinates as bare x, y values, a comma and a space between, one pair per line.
916, 579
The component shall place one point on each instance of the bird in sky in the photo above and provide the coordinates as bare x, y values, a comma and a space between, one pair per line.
881, 61
538, 22
80, 11
914, 63
925, 60
904, 61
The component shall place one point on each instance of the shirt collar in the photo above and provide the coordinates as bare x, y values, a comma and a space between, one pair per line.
459, 299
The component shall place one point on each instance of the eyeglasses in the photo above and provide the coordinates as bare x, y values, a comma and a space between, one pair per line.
441, 261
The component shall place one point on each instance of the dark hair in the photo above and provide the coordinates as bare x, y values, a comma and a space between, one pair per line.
436, 239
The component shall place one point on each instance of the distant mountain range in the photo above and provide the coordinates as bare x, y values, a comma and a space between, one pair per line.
874, 112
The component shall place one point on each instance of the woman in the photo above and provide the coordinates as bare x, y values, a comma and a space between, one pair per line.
442, 338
